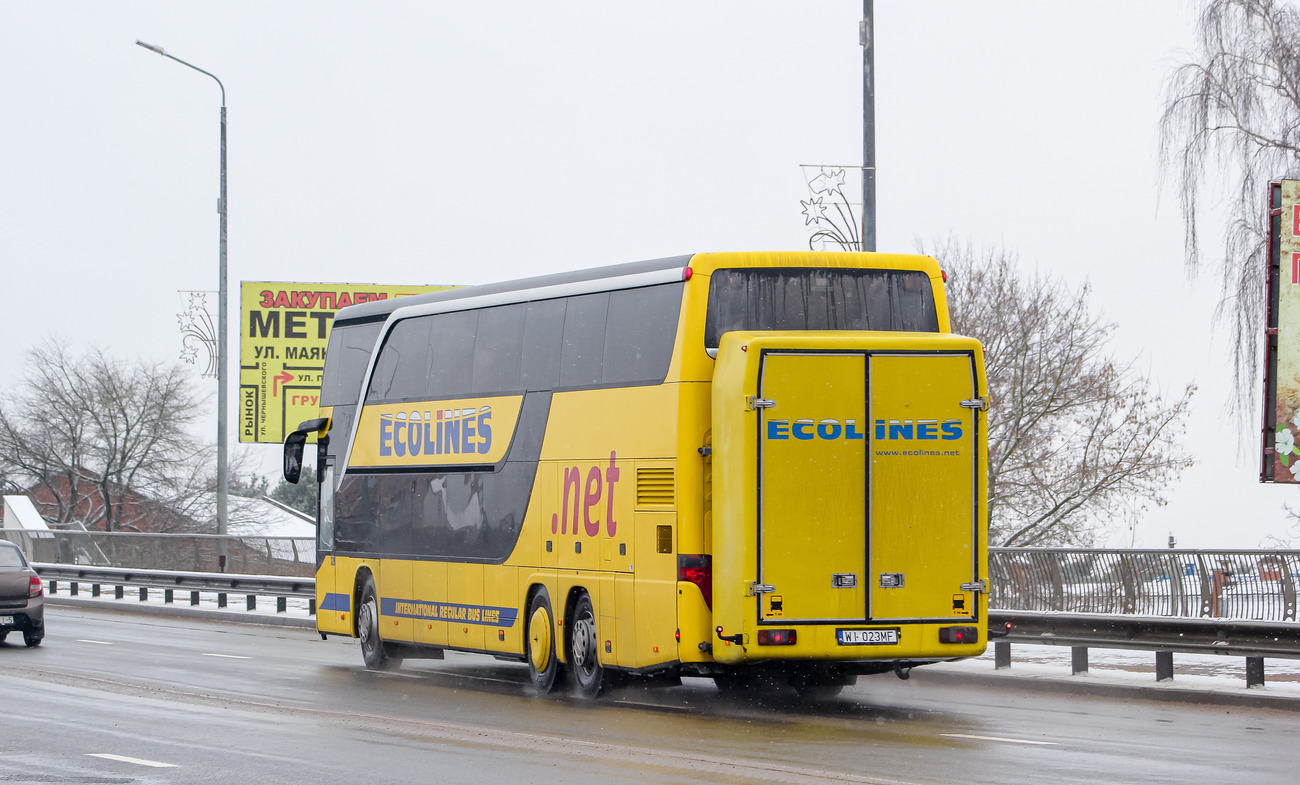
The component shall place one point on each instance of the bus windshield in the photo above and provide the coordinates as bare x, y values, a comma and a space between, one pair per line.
768, 298
349, 349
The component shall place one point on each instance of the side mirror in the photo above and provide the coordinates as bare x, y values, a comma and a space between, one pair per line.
294, 445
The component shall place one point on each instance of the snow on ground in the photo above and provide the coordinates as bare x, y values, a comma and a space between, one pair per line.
1207, 672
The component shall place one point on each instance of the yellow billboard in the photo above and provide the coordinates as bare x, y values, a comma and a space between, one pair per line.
284, 329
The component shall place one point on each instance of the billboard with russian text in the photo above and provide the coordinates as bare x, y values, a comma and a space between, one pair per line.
284, 329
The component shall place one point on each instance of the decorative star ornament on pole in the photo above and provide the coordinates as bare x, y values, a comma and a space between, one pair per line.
829, 211
198, 332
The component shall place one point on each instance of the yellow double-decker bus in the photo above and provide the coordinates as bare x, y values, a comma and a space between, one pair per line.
746, 466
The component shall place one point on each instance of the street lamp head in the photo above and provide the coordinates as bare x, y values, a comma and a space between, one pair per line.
151, 47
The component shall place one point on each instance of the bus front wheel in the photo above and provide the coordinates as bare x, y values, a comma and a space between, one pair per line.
373, 650
543, 666
588, 674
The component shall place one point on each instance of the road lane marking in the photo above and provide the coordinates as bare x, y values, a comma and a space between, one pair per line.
229, 656
1000, 738
138, 761
98, 643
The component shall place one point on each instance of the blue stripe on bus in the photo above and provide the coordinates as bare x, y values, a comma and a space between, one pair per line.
487, 615
336, 602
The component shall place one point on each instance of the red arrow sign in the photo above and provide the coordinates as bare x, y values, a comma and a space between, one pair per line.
277, 380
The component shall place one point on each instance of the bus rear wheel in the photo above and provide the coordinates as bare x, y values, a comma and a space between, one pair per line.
543, 666
584, 657
374, 651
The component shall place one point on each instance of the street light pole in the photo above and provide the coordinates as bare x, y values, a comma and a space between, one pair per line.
223, 477
867, 37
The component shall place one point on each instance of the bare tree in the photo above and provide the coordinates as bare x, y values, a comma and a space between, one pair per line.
103, 442
1233, 111
1075, 437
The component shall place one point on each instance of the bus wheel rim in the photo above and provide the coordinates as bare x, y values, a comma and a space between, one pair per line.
584, 645
539, 633
366, 623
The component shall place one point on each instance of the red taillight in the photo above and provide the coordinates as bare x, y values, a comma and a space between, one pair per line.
699, 571
959, 634
777, 637
34, 587
686, 273
944, 273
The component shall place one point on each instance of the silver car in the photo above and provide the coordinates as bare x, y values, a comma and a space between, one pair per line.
22, 596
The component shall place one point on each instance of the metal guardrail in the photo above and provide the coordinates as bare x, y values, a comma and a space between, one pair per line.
1230, 602
273, 585
1239, 584
222, 584
1152, 633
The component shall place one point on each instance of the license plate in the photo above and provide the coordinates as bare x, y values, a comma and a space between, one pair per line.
6, 620
867, 637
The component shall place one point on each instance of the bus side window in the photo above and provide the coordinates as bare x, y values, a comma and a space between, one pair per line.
498, 349
639, 334
543, 342
584, 340
452, 370
411, 339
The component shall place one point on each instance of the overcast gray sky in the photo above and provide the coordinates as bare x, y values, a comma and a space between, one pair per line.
422, 142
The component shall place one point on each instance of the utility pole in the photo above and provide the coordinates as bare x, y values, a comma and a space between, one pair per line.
866, 37
223, 468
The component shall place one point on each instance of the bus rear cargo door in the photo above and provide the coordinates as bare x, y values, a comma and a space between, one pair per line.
923, 514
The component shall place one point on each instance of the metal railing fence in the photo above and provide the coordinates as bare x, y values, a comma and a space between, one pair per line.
1221, 584
247, 554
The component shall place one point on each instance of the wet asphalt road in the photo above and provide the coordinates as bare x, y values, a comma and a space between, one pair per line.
176, 700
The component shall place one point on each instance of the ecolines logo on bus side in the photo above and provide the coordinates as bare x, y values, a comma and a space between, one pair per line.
885, 430
452, 432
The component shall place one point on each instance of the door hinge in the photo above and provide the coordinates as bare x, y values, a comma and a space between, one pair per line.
756, 588
979, 587
760, 403
979, 404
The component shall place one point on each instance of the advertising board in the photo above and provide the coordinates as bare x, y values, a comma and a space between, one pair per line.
284, 329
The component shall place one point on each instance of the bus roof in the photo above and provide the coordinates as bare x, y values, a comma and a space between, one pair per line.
704, 264
378, 309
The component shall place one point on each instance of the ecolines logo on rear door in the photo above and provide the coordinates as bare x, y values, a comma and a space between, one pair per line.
885, 430
926, 430
808, 429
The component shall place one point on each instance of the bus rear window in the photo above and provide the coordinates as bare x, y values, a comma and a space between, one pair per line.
772, 298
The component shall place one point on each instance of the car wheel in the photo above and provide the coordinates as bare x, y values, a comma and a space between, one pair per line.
584, 658
32, 639
4, 635
374, 651
544, 667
